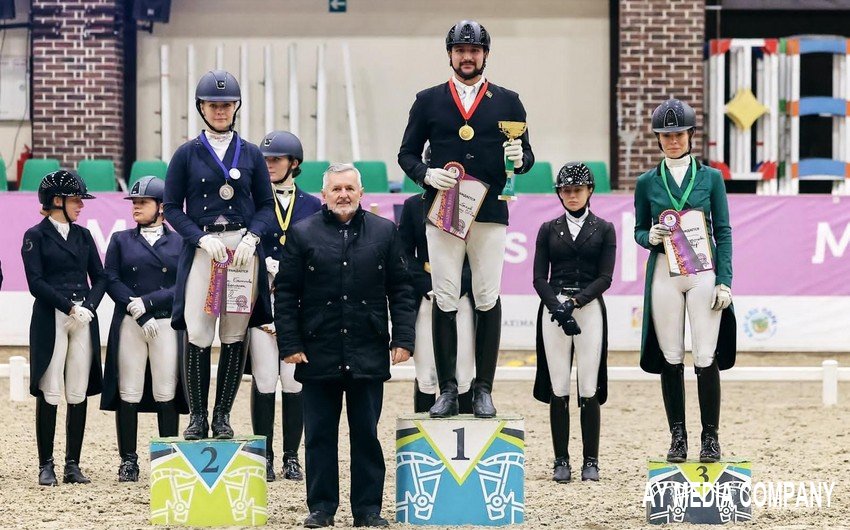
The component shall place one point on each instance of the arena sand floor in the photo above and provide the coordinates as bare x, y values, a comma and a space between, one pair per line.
782, 427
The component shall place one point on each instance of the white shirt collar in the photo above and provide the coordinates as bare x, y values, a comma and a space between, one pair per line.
464, 88
62, 228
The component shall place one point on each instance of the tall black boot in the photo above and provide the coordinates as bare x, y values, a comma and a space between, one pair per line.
262, 421
45, 431
127, 426
231, 361
488, 332
293, 428
444, 329
75, 427
590, 423
559, 422
196, 378
708, 388
167, 419
422, 402
464, 402
673, 391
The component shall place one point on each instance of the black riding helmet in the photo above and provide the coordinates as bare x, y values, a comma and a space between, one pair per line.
61, 183
672, 116
574, 174
218, 85
283, 143
468, 32
148, 188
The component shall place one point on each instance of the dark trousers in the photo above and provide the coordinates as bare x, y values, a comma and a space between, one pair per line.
322, 410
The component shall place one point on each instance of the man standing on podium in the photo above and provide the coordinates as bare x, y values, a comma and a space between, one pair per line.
460, 118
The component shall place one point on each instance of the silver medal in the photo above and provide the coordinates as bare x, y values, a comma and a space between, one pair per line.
226, 192
234, 173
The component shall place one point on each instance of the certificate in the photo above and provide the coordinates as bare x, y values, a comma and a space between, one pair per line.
454, 210
240, 287
688, 248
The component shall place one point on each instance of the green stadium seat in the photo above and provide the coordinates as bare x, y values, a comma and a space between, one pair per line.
600, 176
410, 186
147, 168
373, 173
4, 184
310, 179
99, 175
34, 170
537, 180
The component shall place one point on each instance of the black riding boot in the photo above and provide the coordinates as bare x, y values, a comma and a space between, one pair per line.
231, 362
167, 419
262, 421
673, 391
488, 331
708, 388
45, 430
444, 329
464, 402
196, 377
422, 402
127, 426
559, 422
590, 421
75, 427
293, 427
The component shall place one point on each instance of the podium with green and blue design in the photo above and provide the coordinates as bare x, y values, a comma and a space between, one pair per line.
460, 470
208, 482
698, 493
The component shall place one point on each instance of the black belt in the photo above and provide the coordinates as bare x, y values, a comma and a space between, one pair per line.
227, 227
570, 291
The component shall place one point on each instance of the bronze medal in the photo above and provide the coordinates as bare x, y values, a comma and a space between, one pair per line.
283, 239
226, 192
466, 132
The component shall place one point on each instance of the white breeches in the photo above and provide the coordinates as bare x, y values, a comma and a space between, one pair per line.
70, 364
266, 365
423, 356
670, 297
588, 349
485, 246
133, 354
200, 327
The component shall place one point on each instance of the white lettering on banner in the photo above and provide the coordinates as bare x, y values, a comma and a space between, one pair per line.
101, 241
825, 237
628, 249
515, 251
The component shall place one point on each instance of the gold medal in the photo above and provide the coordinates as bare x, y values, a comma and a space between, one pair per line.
226, 192
283, 239
466, 132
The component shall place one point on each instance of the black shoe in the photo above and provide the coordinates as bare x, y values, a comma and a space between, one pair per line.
563, 473
590, 469
678, 452
221, 428
372, 519
128, 471
291, 467
198, 427
73, 474
318, 519
710, 450
446, 404
46, 474
482, 404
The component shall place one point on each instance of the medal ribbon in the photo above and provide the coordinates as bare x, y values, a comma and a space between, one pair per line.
284, 223
218, 279
464, 113
203, 138
451, 222
678, 205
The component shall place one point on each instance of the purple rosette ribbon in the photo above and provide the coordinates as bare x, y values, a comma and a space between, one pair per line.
218, 280
687, 259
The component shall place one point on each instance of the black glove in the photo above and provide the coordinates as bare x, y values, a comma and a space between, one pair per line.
570, 327
564, 315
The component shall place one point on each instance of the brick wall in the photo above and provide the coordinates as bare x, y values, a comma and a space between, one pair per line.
661, 44
77, 81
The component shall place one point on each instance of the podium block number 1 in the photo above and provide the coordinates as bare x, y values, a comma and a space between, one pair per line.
460, 444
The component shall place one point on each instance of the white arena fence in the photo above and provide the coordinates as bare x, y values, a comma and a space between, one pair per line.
829, 373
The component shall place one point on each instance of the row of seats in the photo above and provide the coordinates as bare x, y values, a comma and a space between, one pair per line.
99, 175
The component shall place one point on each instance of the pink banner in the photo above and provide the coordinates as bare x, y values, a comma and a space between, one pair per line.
782, 245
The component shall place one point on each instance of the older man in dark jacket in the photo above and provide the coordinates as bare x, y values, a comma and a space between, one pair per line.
340, 269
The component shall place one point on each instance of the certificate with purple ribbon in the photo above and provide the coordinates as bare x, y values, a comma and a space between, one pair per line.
454, 210
240, 288
688, 248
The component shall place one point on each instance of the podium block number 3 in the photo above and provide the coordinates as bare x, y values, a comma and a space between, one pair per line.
460, 444
209, 468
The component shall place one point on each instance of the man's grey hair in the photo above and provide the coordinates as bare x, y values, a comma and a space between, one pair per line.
339, 167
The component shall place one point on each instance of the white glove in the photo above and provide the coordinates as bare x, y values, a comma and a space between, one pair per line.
440, 178
272, 265
150, 329
269, 328
215, 247
657, 233
80, 317
136, 307
721, 298
245, 249
513, 151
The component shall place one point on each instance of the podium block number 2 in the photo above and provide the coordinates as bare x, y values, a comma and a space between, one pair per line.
209, 468
460, 444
